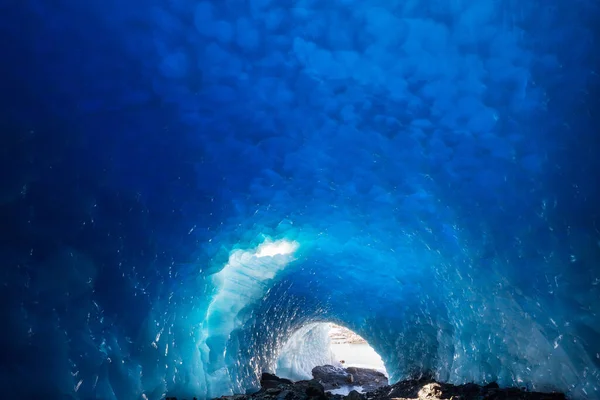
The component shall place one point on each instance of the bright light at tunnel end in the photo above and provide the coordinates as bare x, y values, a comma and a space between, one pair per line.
279, 247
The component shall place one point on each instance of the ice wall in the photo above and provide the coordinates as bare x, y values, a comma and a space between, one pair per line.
426, 171
308, 347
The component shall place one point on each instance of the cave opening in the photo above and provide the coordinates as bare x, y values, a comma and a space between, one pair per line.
352, 350
325, 343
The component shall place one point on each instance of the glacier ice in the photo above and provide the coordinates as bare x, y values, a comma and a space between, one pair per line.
306, 348
189, 186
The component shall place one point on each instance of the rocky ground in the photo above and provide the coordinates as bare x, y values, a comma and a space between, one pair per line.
333, 378
328, 377
375, 388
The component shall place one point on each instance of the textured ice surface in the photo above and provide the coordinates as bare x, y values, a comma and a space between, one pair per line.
431, 164
307, 348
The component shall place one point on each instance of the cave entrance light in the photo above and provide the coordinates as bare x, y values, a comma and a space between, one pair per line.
325, 343
354, 350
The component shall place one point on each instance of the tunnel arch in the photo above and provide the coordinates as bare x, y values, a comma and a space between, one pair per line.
297, 299
417, 329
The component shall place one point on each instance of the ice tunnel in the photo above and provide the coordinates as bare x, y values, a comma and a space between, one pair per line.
323, 343
186, 184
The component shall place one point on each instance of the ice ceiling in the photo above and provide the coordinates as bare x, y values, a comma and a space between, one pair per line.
185, 184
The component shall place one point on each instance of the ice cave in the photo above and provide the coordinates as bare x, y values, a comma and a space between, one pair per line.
187, 184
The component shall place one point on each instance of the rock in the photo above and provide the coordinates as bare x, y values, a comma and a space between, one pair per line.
430, 391
354, 395
405, 389
492, 385
369, 379
285, 395
425, 388
271, 377
270, 381
333, 377
470, 390
315, 389
234, 397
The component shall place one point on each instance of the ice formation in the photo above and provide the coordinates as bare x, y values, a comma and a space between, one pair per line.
186, 184
308, 347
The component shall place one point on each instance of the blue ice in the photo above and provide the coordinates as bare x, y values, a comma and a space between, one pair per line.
186, 187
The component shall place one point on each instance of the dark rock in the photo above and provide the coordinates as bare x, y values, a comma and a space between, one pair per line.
425, 388
270, 381
234, 397
314, 389
285, 395
405, 389
471, 388
271, 377
492, 385
354, 395
369, 379
333, 377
